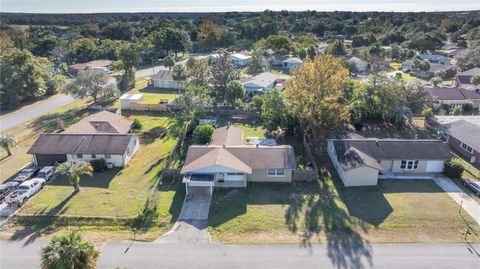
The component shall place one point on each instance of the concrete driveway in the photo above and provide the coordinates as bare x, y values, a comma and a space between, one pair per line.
191, 226
457, 194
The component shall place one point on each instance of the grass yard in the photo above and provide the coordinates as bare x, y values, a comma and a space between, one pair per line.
393, 211
115, 193
153, 95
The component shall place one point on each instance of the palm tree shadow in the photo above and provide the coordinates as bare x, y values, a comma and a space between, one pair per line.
41, 223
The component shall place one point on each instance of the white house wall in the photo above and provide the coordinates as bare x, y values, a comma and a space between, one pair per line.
116, 160
361, 176
133, 146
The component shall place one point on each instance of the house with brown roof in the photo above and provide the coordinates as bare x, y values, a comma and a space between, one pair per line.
227, 162
97, 65
164, 79
455, 96
360, 162
101, 135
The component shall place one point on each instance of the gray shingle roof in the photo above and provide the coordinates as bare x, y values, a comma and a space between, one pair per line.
454, 94
352, 153
466, 132
227, 135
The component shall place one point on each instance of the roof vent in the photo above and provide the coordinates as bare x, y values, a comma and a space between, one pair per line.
224, 145
376, 142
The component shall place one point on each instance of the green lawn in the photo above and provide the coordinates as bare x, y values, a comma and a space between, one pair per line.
393, 211
115, 193
153, 95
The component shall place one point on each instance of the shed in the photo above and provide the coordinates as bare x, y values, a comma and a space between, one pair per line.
127, 99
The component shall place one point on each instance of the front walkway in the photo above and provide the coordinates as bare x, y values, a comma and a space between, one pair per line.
191, 226
457, 194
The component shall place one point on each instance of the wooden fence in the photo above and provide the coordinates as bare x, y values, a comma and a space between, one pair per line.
147, 107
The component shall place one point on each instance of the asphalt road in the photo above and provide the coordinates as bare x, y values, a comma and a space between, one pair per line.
164, 255
33, 111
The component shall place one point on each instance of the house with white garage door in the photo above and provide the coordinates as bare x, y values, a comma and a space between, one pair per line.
227, 162
360, 162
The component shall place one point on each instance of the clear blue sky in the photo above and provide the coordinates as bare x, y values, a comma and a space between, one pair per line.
96, 6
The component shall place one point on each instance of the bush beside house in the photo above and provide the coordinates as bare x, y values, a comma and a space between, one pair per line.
203, 134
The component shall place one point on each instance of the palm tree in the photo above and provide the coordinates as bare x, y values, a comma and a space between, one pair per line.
69, 252
73, 171
6, 142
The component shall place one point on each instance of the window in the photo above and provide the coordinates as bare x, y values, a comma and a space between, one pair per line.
108, 156
273, 172
79, 156
466, 148
235, 174
409, 164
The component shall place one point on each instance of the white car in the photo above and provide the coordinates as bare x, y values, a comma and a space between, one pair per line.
26, 190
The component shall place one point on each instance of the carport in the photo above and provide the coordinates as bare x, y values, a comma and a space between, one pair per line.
49, 159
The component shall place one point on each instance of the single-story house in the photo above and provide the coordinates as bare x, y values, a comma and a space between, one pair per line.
292, 62
445, 70
98, 65
239, 59
100, 135
127, 99
261, 83
464, 79
227, 162
164, 79
464, 138
359, 64
359, 162
116, 149
455, 96
101, 122
435, 58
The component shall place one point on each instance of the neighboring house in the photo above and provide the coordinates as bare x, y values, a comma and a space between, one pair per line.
101, 135
450, 50
359, 162
227, 162
464, 79
292, 62
455, 96
127, 99
164, 79
97, 65
464, 138
360, 65
101, 122
445, 70
322, 47
261, 83
435, 58
239, 60
442, 120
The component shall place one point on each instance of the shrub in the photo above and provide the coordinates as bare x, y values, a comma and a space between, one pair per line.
137, 124
457, 110
203, 134
427, 113
454, 168
98, 164
468, 107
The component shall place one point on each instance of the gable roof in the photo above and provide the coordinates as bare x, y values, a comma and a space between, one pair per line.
255, 157
81, 144
353, 153
227, 135
294, 60
101, 122
163, 75
228, 151
91, 64
471, 72
263, 79
454, 94
465, 132
240, 56
434, 57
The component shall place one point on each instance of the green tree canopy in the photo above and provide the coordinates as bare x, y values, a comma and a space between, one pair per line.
90, 83
203, 134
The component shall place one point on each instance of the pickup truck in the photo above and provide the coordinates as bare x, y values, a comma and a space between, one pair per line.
26, 190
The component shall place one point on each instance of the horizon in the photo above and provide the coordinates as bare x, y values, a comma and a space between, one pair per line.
219, 6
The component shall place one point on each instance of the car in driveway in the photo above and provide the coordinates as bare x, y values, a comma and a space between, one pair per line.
6, 189
46, 173
25, 191
472, 185
26, 174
